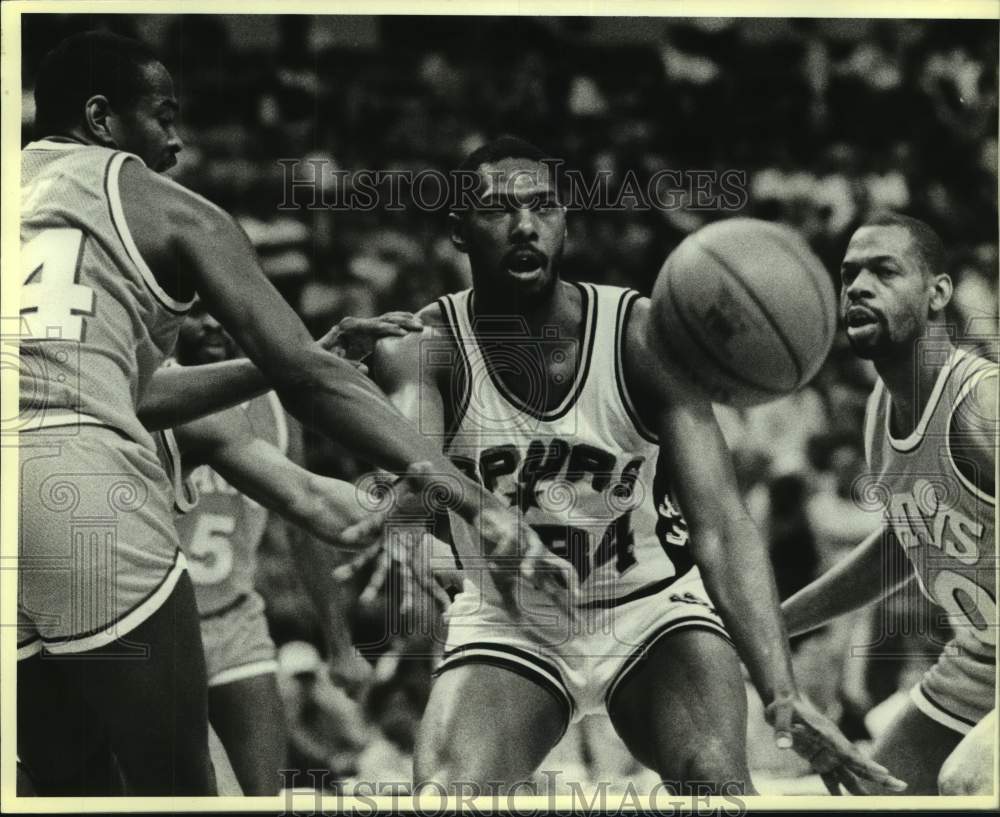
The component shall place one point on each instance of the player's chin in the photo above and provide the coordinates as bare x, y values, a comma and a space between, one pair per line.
866, 348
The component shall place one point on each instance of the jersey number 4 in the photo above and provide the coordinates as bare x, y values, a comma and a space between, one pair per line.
53, 303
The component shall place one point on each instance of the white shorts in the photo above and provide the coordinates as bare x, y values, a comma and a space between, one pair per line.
584, 670
237, 642
960, 689
98, 549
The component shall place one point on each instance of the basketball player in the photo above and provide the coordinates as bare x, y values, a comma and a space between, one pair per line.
549, 393
237, 462
112, 254
930, 441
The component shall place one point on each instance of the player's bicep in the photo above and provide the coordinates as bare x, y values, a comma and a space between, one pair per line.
180, 234
695, 452
681, 415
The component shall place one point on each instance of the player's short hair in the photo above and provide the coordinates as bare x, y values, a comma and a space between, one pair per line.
502, 147
925, 239
82, 66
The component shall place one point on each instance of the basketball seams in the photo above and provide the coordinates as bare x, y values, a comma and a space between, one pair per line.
707, 349
789, 247
779, 333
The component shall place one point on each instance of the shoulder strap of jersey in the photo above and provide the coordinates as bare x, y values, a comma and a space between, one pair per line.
871, 419
280, 421
184, 491
113, 192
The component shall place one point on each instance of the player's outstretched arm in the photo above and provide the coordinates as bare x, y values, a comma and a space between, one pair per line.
177, 232
855, 581
733, 558
326, 508
180, 394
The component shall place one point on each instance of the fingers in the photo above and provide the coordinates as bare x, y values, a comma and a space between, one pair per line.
780, 713
405, 320
831, 782
850, 782
363, 533
868, 770
356, 337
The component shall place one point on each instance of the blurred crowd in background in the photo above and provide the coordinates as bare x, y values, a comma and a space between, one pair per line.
829, 120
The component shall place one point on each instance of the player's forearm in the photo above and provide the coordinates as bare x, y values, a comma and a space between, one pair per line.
354, 411
853, 582
737, 572
180, 394
314, 563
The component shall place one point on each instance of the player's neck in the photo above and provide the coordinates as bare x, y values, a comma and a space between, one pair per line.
558, 306
74, 135
910, 379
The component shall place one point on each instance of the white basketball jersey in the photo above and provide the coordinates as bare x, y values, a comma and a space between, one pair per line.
941, 519
584, 475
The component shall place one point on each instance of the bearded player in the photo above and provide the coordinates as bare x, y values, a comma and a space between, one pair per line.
549, 394
930, 442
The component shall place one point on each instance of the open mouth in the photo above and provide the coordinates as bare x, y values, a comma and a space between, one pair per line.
525, 263
858, 316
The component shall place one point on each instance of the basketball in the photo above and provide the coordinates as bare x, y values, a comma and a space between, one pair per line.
747, 308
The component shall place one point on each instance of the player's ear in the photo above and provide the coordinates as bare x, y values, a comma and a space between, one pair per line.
98, 113
457, 231
941, 290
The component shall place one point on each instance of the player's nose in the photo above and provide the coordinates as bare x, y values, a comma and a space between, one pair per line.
860, 287
174, 143
210, 324
524, 225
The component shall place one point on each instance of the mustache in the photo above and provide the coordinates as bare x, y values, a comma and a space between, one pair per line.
532, 252
874, 311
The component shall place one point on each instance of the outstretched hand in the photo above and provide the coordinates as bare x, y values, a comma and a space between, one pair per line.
800, 726
515, 552
355, 338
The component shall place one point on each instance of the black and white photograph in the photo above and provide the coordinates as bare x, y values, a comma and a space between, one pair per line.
480, 410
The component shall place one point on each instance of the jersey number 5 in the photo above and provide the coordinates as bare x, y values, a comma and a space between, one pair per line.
211, 551
53, 303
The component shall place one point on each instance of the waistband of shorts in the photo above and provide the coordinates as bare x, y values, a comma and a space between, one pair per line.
225, 608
